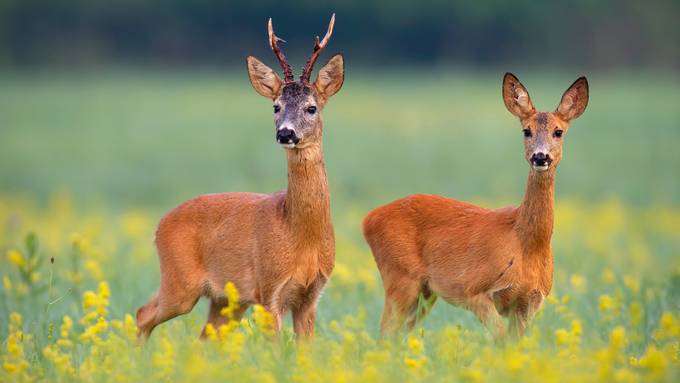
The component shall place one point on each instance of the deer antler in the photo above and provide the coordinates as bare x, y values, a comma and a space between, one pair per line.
273, 43
318, 47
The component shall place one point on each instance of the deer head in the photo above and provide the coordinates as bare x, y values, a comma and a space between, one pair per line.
544, 131
297, 104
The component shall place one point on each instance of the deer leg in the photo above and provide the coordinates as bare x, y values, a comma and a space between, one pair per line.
485, 310
524, 312
216, 319
518, 319
303, 320
426, 301
163, 306
304, 315
401, 302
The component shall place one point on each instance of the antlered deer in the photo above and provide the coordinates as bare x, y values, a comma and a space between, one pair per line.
493, 262
278, 249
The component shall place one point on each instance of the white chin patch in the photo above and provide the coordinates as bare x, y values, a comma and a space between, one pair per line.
289, 145
540, 168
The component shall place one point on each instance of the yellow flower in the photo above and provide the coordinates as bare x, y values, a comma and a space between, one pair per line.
415, 345
608, 276
92, 266
654, 361
6, 283
10, 367
15, 319
231, 292
607, 303
15, 257
66, 325
666, 321
104, 290
210, 331
90, 299
414, 364
263, 320
561, 337
632, 283
578, 282
617, 339
576, 327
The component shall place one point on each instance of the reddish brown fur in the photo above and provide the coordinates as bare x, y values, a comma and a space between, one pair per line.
278, 249
493, 262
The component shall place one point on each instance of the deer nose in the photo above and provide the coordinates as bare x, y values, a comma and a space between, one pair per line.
286, 136
540, 159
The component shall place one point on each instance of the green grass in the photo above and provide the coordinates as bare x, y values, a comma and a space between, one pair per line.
154, 139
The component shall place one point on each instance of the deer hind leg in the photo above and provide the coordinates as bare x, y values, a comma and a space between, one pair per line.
401, 304
304, 315
164, 306
485, 310
524, 311
303, 320
426, 301
177, 295
215, 317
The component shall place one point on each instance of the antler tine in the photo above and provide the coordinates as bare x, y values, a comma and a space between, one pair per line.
273, 43
318, 47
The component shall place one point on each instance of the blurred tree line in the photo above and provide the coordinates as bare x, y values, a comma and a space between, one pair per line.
584, 33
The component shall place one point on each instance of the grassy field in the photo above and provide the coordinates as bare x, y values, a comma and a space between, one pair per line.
89, 163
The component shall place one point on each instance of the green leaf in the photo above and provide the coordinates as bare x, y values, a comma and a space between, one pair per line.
31, 244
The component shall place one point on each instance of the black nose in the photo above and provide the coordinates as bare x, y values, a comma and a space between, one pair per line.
541, 159
286, 136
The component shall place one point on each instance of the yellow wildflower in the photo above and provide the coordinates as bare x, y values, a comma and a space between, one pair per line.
6, 283
608, 276
632, 283
16, 258
263, 320
415, 345
578, 282
231, 292
654, 361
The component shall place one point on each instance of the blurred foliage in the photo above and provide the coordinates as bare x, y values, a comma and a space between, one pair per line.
581, 33
613, 314
154, 139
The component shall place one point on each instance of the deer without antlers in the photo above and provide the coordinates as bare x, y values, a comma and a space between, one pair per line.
278, 249
493, 262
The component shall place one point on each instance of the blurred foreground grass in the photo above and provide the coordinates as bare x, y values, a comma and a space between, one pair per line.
89, 163
613, 315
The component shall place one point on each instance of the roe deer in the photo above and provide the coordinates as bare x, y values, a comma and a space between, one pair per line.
278, 249
492, 262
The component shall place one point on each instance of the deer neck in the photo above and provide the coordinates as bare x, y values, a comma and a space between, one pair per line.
535, 215
307, 203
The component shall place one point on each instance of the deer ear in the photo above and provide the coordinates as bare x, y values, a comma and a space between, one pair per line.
574, 100
331, 76
263, 78
516, 97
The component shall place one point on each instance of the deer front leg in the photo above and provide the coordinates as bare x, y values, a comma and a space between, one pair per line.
484, 308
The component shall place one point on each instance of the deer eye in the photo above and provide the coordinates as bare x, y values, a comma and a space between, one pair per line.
558, 133
277, 108
527, 132
311, 109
